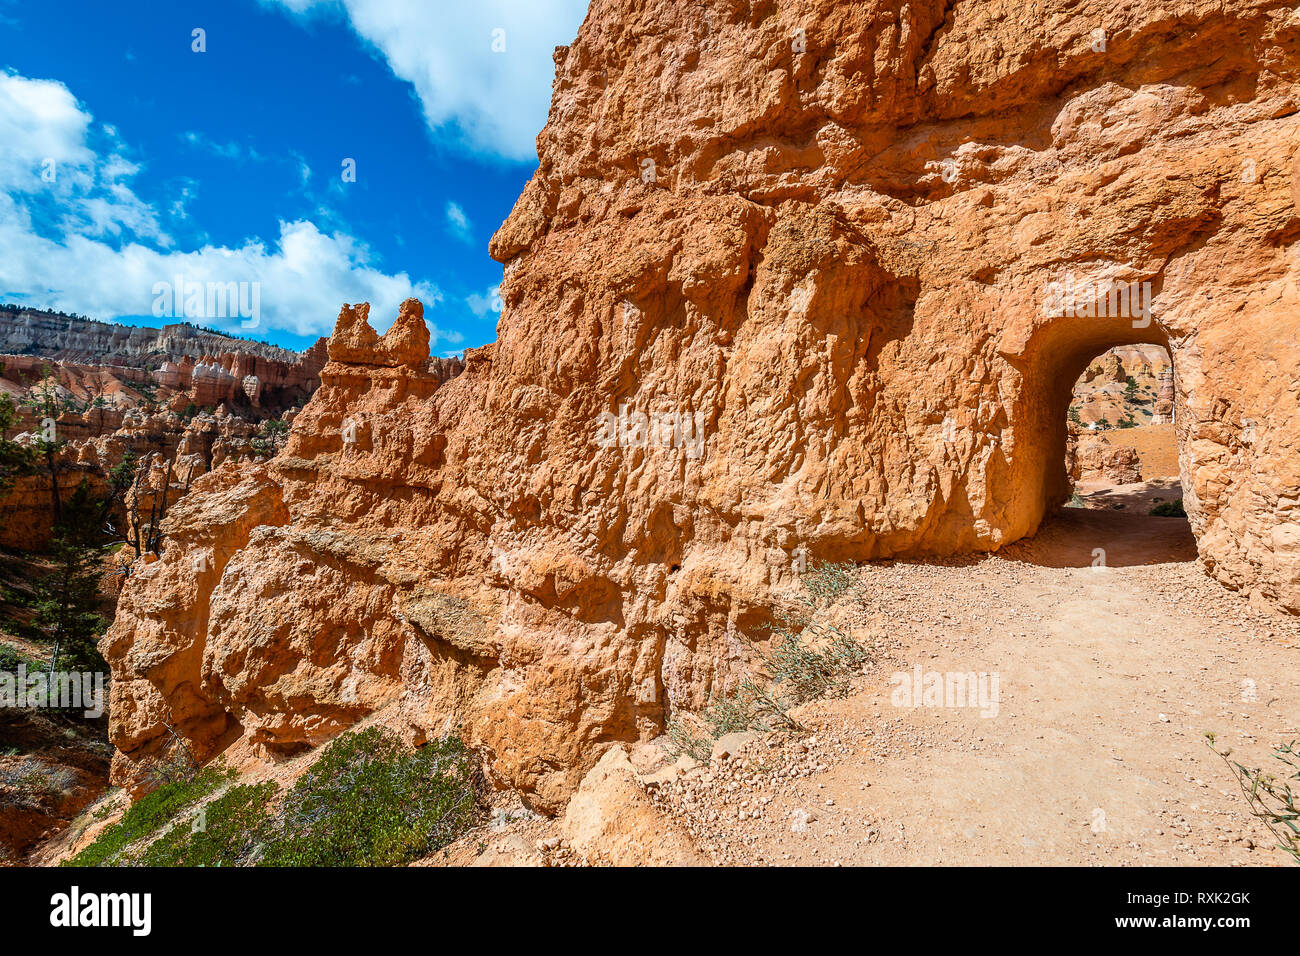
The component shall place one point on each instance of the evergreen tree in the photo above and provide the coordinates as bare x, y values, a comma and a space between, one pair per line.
46, 403
67, 599
15, 460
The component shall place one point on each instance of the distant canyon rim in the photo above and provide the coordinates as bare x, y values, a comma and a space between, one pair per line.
823, 233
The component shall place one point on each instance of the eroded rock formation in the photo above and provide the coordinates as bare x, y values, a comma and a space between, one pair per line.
800, 280
196, 413
243, 378
1090, 457
1103, 393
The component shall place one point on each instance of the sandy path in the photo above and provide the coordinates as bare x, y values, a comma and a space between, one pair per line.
1108, 678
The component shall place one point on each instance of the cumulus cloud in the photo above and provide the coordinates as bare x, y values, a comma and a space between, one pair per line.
81, 240
39, 120
67, 172
300, 281
482, 70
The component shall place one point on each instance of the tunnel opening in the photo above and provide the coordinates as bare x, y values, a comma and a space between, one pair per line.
1101, 454
1121, 450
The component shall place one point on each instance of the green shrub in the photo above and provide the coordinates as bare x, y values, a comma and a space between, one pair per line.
1169, 509
371, 801
146, 816
11, 657
753, 708
683, 739
368, 801
224, 832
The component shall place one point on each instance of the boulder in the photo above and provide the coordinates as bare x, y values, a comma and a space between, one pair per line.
612, 819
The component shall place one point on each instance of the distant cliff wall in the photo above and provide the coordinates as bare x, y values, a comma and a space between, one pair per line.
55, 336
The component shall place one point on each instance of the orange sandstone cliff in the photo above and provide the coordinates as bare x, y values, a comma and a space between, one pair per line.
787, 285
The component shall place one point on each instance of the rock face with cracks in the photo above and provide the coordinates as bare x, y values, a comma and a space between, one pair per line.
794, 281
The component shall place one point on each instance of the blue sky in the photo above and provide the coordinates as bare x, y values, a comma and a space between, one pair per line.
134, 163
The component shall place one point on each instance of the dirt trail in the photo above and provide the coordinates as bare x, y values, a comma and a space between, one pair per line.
1107, 676
1133, 499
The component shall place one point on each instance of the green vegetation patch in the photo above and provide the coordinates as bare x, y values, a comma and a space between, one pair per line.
826, 582
1169, 509
11, 657
805, 662
1271, 798
368, 801
801, 670
371, 801
146, 817
224, 832
804, 671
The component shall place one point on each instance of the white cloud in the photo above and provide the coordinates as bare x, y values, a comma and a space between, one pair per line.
84, 242
458, 223
481, 305
484, 68
301, 281
70, 173
39, 120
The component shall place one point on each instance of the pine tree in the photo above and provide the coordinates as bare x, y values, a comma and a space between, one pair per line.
67, 599
15, 459
47, 404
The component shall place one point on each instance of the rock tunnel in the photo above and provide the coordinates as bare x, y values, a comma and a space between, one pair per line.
1064, 350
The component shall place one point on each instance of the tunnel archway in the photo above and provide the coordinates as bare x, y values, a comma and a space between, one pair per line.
1058, 355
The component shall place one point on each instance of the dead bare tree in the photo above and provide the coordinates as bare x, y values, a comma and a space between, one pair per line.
148, 536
